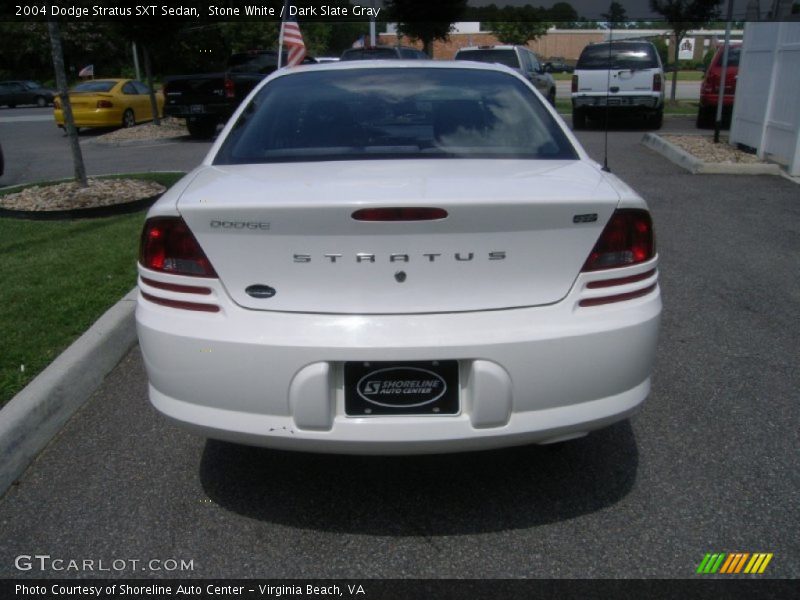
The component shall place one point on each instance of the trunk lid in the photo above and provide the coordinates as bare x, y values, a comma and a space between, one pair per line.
289, 226
87, 99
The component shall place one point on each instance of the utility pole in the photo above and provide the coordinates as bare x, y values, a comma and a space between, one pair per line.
721, 93
372, 35
136, 61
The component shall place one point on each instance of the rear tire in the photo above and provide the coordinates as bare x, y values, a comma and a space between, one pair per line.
705, 117
657, 119
128, 118
551, 97
41, 101
201, 129
578, 118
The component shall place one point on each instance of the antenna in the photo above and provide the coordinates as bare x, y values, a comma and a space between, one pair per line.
608, 91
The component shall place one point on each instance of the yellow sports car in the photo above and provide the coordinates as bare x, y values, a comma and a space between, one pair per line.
109, 103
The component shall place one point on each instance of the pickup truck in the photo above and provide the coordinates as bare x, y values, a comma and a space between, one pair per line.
207, 100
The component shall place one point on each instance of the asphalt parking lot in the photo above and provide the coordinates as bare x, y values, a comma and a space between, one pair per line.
709, 465
36, 150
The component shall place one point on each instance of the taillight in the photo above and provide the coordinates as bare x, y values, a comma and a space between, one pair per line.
167, 245
230, 89
574, 84
711, 84
104, 104
656, 82
627, 239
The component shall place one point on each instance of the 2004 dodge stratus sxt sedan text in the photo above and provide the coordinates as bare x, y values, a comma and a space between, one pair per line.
396, 257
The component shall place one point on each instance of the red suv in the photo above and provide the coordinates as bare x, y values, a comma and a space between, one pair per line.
709, 90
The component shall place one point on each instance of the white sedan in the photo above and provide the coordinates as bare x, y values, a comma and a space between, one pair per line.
397, 257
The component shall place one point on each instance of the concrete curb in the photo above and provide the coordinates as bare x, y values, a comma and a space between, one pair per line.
694, 165
36, 414
134, 143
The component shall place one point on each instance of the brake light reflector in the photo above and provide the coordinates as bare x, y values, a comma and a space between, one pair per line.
617, 297
627, 239
181, 304
574, 84
167, 245
230, 89
104, 104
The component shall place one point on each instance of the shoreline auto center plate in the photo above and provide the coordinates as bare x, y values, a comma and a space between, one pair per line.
401, 388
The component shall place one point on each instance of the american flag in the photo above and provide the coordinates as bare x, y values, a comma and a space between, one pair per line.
293, 39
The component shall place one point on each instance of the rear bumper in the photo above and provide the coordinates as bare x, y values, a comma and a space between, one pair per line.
710, 100
276, 379
617, 101
200, 111
93, 117
402, 435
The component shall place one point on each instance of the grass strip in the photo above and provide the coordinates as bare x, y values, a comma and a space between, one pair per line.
58, 277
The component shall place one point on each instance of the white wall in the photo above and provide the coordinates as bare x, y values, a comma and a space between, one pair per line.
766, 112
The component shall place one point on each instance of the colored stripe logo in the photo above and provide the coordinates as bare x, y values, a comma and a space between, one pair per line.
734, 563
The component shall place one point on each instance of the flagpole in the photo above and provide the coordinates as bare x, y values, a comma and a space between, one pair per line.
280, 35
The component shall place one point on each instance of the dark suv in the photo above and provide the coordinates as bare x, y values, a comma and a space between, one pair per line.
384, 52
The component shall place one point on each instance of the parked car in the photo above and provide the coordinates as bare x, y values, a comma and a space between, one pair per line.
384, 52
109, 103
709, 89
15, 93
558, 64
397, 257
206, 100
516, 57
624, 77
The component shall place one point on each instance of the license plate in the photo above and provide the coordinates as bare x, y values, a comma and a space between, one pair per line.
196, 108
401, 388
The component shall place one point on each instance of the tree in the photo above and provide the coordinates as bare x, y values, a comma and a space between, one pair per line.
563, 13
149, 35
616, 16
683, 15
426, 21
66, 107
518, 32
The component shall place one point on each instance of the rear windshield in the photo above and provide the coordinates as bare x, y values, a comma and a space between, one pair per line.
253, 63
733, 56
618, 56
94, 86
369, 53
394, 113
503, 57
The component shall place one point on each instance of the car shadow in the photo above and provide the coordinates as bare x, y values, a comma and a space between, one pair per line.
620, 123
445, 494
